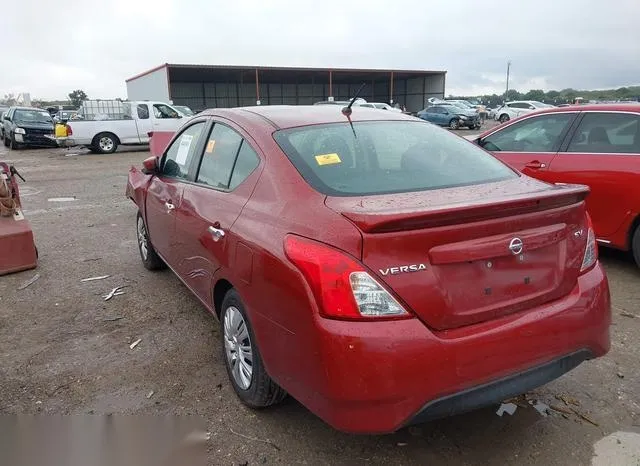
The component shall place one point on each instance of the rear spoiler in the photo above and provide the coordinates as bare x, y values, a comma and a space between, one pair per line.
387, 221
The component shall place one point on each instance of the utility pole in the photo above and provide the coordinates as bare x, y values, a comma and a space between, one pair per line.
506, 93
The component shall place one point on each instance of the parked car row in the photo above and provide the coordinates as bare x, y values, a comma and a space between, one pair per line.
382, 248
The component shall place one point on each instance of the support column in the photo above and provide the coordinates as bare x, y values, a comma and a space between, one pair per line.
391, 90
257, 88
330, 99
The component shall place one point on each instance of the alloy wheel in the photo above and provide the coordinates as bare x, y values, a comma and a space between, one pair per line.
237, 344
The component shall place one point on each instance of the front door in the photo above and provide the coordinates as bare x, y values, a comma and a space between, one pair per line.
165, 118
530, 145
224, 181
165, 192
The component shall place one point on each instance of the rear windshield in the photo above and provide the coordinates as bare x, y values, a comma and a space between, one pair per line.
382, 157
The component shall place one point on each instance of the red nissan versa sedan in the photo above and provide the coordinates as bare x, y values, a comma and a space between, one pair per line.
379, 269
595, 145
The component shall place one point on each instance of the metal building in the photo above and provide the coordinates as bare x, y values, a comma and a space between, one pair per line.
208, 86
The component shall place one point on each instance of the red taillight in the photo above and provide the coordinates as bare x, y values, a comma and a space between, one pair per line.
342, 287
591, 249
69, 130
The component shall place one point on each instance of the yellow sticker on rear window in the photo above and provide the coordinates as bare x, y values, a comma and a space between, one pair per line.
210, 145
328, 159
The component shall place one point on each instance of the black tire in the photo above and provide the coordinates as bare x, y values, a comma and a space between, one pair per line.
454, 123
635, 245
261, 391
13, 145
6, 142
105, 143
503, 118
150, 259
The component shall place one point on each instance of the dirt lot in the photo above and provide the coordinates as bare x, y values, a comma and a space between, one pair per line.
65, 350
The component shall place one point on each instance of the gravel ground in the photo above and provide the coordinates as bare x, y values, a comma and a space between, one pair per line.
66, 351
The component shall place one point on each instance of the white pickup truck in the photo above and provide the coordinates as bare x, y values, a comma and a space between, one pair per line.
102, 128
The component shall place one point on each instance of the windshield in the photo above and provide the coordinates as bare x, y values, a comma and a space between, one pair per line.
386, 157
32, 116
184, 110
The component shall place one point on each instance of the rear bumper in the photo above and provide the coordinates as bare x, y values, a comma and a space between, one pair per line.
379, 377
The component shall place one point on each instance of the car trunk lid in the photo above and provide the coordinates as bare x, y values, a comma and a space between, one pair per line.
461, 256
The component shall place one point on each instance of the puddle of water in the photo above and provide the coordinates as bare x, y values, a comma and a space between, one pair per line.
61, 199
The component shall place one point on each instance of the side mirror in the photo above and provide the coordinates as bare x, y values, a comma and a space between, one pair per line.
150, 166
6, 117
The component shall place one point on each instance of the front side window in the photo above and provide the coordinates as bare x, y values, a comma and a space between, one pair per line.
539, 134
219, 157
614, 133
164, 111
386, 157
178, 157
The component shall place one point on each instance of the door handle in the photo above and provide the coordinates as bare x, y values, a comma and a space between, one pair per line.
217, 233
169, 206
535, 165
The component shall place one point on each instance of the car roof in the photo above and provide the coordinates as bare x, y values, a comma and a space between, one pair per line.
289, 116
30, 108
593, 107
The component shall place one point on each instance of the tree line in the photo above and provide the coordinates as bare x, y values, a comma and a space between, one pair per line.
565, 96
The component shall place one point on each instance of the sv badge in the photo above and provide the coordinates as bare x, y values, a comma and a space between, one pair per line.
403, 269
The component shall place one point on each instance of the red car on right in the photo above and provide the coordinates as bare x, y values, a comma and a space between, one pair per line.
595, 145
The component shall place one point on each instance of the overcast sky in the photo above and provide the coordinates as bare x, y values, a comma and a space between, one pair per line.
50, 48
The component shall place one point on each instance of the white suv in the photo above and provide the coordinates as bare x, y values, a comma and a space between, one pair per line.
516, 108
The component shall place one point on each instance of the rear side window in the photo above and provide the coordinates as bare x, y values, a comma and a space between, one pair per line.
614, 133
219, 157
538, 134
245, 164
386, 157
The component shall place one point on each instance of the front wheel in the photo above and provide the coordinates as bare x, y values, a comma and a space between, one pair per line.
150, 258
244, 364
635, 245
503, 118
105, 143
6, 142
454, 123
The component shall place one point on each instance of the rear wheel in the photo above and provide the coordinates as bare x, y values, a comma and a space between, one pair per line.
635, 245
105, 143
454, 123
242, 358
503, 118
150, 258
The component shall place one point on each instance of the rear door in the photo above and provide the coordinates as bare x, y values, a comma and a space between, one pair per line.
144, 122
224, 180
529, 145
604, 153
164, 195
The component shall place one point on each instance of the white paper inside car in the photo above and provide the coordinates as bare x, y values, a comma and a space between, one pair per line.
183, 149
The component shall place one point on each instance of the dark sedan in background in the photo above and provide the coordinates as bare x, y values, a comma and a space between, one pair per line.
25, 126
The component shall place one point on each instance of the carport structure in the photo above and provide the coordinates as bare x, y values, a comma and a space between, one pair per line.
207, 86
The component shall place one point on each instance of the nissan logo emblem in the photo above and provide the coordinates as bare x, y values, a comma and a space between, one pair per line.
515, 246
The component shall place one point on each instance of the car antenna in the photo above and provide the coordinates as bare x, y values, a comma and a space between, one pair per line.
346, 111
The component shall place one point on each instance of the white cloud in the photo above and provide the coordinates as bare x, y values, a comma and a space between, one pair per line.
552, 44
